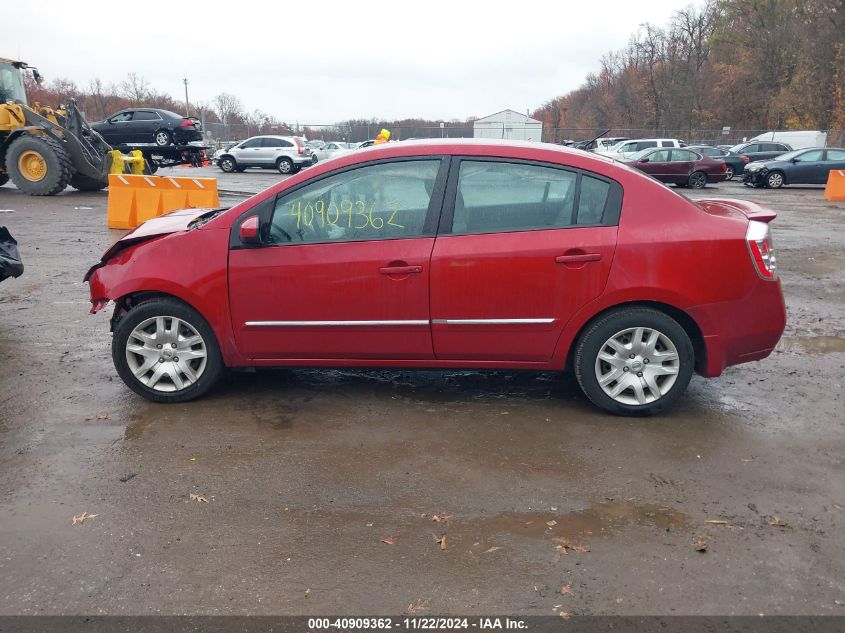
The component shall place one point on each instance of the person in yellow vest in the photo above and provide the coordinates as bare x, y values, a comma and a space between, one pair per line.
382, 137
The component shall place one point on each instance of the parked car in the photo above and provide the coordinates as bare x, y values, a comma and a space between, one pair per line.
449, 254
364, 144
149, 125
10, 259
330, 150
215, 158
800, 167
627, 149
681, 167
287, 154
759, 150
734, 164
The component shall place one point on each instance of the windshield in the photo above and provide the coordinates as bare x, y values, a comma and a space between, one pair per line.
11, 83
640, 154
791, 155
735, 149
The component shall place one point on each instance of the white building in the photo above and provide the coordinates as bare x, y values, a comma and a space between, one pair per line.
508, 124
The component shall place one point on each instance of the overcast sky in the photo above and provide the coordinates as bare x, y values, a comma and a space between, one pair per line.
320, 62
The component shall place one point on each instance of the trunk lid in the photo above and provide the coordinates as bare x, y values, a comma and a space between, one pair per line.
739, 209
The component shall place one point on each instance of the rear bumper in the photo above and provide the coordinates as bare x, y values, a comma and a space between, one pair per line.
741, 331
186, 136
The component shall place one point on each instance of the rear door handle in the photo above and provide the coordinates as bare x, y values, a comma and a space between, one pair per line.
574, 259
400, 270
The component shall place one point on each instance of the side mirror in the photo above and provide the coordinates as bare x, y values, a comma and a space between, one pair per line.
644, 160
248, 233
794, 160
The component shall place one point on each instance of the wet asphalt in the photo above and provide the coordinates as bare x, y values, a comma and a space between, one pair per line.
315, 491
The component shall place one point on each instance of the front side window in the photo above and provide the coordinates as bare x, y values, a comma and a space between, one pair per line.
253, 142
385, 201
121, 116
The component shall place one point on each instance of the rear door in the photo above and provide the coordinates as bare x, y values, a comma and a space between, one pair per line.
680, 165
144, 125
835, 159
522, 246
344, 266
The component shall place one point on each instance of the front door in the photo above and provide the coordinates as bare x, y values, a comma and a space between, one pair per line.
344, 267
248, 153
519, 257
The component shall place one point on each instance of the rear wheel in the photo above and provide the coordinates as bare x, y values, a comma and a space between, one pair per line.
729, 172
285, 166
38, 165
634, 361
84, 183
774, 180
163, 138
166, 351
697, 180
4, 178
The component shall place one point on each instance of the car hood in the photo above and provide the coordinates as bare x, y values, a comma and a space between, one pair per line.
173, 222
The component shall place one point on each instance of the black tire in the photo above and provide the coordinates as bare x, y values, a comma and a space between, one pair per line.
593, 340
163, 138
697, 180
228, 164
84, 183
729, 172
285, 166
240, 170
4, 178
59, 167
165, 307
775, 179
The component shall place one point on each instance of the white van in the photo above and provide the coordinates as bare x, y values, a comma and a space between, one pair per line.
796, 140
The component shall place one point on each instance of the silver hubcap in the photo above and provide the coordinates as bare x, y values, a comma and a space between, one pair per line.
161, 138
775, 180
637, 366
166, 354
284, 167
729, 173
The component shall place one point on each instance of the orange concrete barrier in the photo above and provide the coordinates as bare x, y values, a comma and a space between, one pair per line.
135, 199
835, 189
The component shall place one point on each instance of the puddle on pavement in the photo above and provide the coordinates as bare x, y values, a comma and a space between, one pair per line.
598, 520
813, 344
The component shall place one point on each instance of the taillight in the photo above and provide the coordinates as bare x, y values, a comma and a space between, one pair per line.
759, 240
724, 166
745, 159
186, 123
299, 149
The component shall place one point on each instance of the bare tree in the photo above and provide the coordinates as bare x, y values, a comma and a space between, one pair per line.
135, 88
228, 107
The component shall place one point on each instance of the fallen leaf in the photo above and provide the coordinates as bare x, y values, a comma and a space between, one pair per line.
99, 416
307, 592
581, 549
717, 522
566, 589
492, 549
369, 525
776, 522
194, 458
505, 413
564, 614
80, 519
700, 545
551, 523
566, 546
419, 605
389, 540
196, 497
442, 542
556, 607
441, 518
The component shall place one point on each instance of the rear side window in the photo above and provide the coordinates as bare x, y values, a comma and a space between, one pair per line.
750, 149
683, 156
498, 197
276, 142
646, 144
835, 154
145, 115
375, 202
667, 144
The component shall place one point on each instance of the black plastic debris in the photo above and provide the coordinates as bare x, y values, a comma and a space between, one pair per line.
10, 260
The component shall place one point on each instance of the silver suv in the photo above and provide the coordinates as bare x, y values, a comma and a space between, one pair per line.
288, 154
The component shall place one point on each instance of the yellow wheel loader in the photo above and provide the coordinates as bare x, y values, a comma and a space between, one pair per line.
44, 150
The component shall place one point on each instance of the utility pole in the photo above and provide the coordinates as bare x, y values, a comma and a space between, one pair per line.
187, 103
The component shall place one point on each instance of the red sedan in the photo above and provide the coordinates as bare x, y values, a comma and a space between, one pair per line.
682, 167
481, 255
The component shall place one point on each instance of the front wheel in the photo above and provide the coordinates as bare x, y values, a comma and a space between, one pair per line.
634, 361
227, 164
774, 180
697, 180
166, 351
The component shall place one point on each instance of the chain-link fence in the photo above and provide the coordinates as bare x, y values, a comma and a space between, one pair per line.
222, 133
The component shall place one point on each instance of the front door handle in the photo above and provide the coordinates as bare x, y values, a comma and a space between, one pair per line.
400, 270
578, 259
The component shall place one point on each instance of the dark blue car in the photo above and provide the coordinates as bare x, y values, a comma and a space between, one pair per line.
809, 166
